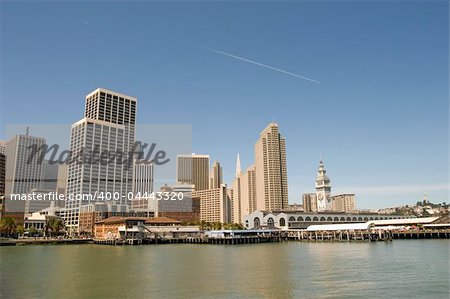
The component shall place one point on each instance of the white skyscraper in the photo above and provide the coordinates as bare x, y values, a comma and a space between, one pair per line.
244, 194
22, 172
108, 126
143, 187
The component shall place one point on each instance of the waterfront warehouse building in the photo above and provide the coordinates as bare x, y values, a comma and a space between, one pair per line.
302, 220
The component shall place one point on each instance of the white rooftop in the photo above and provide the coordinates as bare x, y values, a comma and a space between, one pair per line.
340, 226
423, 220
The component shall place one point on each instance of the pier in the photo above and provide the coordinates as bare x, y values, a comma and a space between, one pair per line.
422, 234
366, 235
219, 237
343, 235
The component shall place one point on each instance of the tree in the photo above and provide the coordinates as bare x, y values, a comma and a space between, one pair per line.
8, 225
32, 231
20, 230
55, 225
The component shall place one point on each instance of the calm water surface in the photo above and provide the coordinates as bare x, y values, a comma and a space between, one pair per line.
398, 269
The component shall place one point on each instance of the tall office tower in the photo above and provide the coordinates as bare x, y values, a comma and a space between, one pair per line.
193, 169
23, 170
271, 171
216, 176
244, 194
309, 202
61, 184
49, 176
2, 147
230, 198
143, 188
323, 189
108, 128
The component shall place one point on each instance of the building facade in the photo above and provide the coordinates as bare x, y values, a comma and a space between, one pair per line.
23, 172
49, 175
244, 194
216, 176
343, 203
180, 204
3, 147
143, 180
194, 169
214, 204
108, 127
271, 170
301, 220
309, 202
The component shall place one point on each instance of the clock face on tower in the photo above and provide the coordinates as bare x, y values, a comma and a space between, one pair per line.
320, 196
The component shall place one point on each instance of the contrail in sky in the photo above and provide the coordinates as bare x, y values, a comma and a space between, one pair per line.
256, 63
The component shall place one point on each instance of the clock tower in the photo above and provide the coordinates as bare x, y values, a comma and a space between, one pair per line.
323, 189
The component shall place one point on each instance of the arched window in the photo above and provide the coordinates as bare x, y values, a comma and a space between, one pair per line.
336, 219
282, 222
315, 219
322, 218
291, 219
342, 218
359, 218
256, 222
349, 219
376, 218
354, 219
371, 218
366, 219
308, 218
300, 218
270, 222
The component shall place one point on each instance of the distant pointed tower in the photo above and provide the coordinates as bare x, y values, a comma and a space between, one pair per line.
238, 166
323, 189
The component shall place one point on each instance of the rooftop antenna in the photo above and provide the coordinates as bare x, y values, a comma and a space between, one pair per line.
27, 130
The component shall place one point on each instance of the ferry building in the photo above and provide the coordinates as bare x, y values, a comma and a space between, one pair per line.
301, 220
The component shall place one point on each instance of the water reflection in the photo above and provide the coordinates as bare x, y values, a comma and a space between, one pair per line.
277, 270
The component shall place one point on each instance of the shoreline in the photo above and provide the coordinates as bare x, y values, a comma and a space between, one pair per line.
409, 235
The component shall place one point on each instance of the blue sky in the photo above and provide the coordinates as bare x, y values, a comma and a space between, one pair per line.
379, 117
